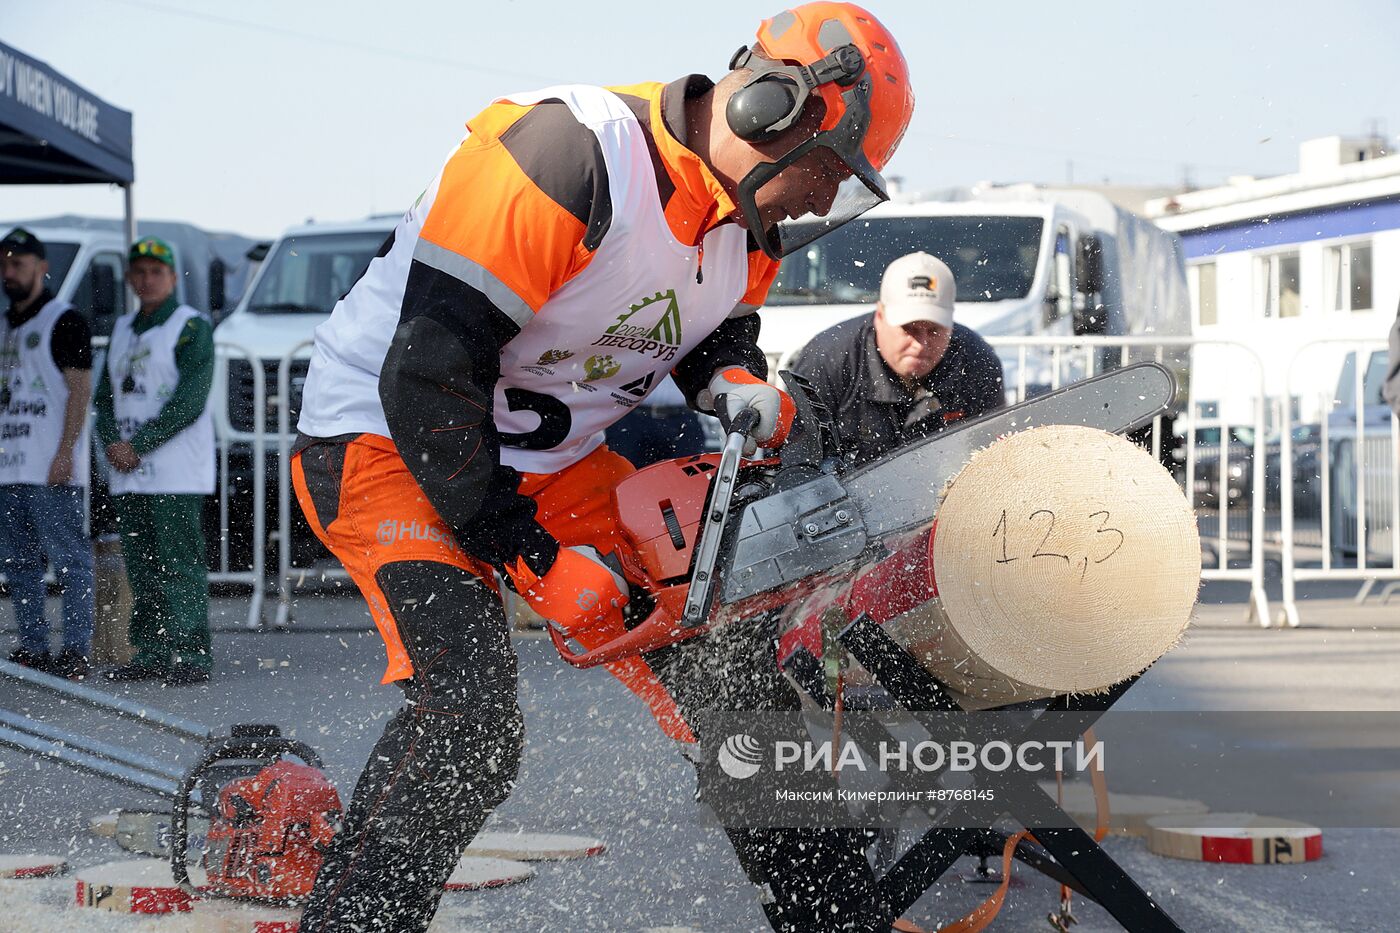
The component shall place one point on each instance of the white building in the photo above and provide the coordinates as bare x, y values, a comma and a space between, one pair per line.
1277, 263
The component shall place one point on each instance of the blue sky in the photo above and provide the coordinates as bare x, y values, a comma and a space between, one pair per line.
256, 115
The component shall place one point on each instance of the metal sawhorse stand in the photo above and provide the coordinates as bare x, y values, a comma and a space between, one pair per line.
1064, 852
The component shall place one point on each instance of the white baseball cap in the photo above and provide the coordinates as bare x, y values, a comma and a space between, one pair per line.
918, 287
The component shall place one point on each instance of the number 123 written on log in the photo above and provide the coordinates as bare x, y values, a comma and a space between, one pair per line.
1105, 543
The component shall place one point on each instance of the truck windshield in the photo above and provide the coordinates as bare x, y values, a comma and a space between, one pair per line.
60, 257
992, 258
309, 274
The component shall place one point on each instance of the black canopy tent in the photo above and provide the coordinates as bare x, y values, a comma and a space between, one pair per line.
54, 132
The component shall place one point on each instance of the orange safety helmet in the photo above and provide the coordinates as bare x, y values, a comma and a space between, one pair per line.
843, 54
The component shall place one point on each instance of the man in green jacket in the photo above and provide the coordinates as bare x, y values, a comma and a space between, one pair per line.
153, 420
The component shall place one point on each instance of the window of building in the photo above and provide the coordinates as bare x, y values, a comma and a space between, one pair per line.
1203, 284
1276, 277
1348, 277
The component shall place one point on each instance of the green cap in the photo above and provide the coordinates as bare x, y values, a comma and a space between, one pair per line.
152, 247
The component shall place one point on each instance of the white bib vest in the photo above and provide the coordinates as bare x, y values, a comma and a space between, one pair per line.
596, 348
31, 424
143, 374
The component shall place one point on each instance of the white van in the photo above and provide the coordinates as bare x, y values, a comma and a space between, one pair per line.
1028, 262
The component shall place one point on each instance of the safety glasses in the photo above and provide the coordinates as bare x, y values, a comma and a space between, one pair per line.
153, 250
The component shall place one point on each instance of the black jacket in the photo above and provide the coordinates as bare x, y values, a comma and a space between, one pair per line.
875, 412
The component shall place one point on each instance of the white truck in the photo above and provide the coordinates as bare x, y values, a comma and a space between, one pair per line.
300, 278
1028, 262
304, 273
87, 264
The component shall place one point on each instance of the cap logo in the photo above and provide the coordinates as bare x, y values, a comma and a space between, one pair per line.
927, 282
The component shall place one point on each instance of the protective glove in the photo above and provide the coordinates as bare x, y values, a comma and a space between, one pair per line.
579, 592
732, 390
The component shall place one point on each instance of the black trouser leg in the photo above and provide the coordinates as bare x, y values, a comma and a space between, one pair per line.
444, 762
814, 880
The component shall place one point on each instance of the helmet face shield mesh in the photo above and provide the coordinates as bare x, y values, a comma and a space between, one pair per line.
862, 186
853, 198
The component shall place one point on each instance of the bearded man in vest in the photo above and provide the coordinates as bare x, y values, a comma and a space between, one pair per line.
153, 417
45, 385
579, 245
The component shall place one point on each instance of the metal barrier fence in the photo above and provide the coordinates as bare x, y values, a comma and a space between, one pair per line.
1356, 472
1033, 365
225, 439
1258, 496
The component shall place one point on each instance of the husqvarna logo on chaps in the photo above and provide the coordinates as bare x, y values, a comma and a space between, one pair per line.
391, 531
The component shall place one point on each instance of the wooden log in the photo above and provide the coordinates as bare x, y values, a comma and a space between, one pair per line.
141, 886
1128, 814
474, 873
1242, 838
1064, 560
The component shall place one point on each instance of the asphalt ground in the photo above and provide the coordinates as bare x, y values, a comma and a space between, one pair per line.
595, 765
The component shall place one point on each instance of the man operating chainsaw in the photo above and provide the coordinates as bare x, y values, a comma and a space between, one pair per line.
580, 244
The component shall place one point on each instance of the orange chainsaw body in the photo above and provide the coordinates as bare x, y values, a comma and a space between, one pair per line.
269, 832
659, 511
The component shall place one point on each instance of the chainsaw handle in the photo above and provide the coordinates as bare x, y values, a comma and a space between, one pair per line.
659, 629
743, 423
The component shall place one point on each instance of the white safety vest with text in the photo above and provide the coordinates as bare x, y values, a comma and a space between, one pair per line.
143, 374
31, 424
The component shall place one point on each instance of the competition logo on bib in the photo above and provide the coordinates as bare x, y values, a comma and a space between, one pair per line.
651, 327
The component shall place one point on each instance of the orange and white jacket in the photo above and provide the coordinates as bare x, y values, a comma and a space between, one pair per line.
570, 254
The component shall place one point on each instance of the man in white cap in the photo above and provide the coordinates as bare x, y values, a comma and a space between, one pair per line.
905, 372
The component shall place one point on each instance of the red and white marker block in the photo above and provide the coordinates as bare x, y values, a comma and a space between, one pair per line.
139, 886
534, 847
1241, 838
31, 866
473, 873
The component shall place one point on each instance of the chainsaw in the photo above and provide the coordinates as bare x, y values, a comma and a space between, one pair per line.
270, 819
713, 539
